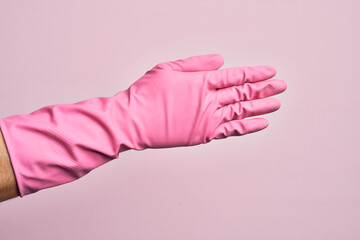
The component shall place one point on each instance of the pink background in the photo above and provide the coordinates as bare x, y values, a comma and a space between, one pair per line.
298, 179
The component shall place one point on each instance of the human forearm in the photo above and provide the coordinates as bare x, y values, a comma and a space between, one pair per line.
8, 187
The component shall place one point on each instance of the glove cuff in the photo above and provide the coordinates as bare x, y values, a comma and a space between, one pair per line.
61, 143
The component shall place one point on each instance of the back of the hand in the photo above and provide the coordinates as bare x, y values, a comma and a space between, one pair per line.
191, 101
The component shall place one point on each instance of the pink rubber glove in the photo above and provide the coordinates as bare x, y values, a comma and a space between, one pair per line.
180, 103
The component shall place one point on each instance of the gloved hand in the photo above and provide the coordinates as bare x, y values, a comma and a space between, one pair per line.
180, 103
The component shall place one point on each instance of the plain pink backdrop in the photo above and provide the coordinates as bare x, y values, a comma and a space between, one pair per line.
297, 179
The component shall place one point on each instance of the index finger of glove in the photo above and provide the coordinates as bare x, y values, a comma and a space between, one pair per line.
229, 77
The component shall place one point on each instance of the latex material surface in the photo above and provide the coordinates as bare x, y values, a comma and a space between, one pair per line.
180, 103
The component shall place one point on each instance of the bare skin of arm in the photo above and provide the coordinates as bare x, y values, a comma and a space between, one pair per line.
8, 187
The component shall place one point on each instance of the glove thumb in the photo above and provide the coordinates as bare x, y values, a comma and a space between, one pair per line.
193, 64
